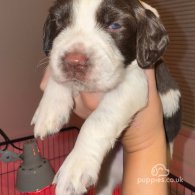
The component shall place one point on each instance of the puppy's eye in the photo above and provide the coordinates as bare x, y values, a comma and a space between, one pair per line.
114, 26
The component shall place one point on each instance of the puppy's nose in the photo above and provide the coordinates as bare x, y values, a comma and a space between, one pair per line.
75, 61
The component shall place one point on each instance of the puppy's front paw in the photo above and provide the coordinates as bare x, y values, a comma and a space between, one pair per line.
75, 175
54, 109
49, 118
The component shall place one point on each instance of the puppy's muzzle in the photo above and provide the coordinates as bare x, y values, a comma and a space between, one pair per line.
75, 65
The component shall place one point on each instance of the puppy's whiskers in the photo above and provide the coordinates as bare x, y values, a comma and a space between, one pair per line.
43, 63
41, 60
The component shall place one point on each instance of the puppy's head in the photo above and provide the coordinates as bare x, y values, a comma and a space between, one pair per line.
92, 42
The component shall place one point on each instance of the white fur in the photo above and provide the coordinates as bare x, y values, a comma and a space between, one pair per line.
85, 18
106, 67
127, 93
114, 176
100, 131
170, 102
53, 110
149, 7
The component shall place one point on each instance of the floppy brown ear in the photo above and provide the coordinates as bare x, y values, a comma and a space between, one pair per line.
152, 38
49, 33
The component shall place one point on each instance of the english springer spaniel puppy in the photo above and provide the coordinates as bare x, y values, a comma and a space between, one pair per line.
102, 45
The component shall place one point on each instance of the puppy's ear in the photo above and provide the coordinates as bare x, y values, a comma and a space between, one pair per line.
152, 38
49, 32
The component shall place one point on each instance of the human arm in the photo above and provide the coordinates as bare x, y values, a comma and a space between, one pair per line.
145, 146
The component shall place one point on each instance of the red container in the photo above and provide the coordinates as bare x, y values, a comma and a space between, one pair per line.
50, 190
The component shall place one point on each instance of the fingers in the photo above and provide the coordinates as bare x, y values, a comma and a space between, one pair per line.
80, 109
45, 78
85, 103
91, 100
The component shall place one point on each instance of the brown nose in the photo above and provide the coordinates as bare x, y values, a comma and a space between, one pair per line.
76, 61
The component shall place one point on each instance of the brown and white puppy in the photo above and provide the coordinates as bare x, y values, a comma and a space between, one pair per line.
102, 45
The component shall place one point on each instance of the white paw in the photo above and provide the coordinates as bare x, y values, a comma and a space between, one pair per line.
76, 174
49, 118
53, 111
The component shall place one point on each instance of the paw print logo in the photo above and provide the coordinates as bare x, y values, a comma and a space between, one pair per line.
160, 170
